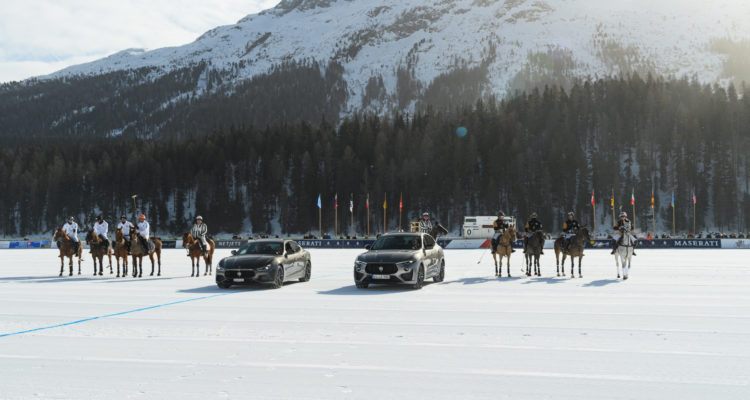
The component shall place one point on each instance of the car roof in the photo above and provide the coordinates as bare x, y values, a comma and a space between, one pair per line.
274, 240
403, 234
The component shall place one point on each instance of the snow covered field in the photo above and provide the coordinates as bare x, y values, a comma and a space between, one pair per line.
678, 329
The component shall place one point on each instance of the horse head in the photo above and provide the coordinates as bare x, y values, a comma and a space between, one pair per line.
585, 234
187, 239
89, 236
60, 234
118, 234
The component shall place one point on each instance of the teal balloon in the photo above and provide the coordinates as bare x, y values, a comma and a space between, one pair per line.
461, 131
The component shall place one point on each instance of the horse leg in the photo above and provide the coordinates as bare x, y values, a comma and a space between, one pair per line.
494, 258
79, 261
508, 265
617, 264
158, 259
62, 265
580, 259
151, 257
118, 266
109, 255
140, 267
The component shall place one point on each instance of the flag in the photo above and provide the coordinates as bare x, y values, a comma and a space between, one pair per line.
319, 204
652, 198
612, 201
400, 203
694, 197
672, 204
336, 201
385, 204
592, 199
367, 203
351, 203
632, 197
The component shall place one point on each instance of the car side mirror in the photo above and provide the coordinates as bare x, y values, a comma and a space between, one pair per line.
234, 252
368, 247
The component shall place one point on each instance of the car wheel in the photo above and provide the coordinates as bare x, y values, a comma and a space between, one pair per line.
278, 280
441, 275
308, 272
420, 278
223, 285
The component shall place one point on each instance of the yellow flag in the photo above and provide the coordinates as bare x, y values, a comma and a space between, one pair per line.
612, 202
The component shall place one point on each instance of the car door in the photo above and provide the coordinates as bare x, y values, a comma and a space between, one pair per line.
299, 257
431, 254
290, 263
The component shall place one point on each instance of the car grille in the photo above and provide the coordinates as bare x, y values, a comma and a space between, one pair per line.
376, 269
239, 274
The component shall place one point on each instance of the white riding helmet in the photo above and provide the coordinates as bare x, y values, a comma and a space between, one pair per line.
623, 214
199, 218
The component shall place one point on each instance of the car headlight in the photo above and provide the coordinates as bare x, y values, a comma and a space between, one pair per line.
266, 267
360, 265
405, 265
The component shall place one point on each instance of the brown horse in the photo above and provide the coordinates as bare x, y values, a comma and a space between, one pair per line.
533, 252
99, 249
504, 249
137, 251
120, 250
65, 246
195, 253
575, 249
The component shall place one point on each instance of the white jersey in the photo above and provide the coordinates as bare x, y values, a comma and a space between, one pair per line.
144, 229
71, 229
101, 229
125, 227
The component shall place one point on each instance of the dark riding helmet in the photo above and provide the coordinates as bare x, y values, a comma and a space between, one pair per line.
123, 217
99, 217
500, 214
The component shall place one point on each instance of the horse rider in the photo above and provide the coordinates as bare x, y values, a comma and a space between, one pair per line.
199, 232
570, 228
101, 229
500, 226
532, 226
425, 225
623, 227
125, 226
71, 229
143, 232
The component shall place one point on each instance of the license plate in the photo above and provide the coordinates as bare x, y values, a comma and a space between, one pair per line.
381, 277
239, 280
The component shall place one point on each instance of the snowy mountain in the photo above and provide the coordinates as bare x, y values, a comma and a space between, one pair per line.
390, 55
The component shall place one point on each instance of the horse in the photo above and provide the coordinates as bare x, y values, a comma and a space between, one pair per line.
99, 249
195, 253
504, 249
533, 252
575, 249
65, 246
120, 250
137, 251
624, 253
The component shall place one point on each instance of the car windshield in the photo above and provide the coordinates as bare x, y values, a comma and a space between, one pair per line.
270, 248
398, 242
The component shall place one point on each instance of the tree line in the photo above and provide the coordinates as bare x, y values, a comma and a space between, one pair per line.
544, 150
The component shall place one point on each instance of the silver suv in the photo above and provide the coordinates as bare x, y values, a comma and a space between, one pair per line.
400, 258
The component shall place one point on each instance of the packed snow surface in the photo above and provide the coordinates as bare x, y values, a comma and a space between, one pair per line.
679, 328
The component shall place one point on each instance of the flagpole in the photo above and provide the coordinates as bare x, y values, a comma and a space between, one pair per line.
385, 196
674, 226
612, 205
351, 211
632, 197
593, 208
400, 209
694, 232
368, 216
336, 216
320, 222
653, 211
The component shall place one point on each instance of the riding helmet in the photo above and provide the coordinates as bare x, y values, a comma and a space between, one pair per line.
425, 214
71, 219
571, 214
500, 214
143, 216
123, 217
623, 214
199, 218
533, 215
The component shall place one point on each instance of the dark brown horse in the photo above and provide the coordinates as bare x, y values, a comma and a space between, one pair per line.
99, 249
575, 249
65, 246
195, 253
504, 249
138, 252
534, 248
120, 250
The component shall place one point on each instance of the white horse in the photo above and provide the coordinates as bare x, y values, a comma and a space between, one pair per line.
624, 253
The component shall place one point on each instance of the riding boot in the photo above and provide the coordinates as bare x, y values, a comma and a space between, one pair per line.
525, 244
614, 246
127, 244
635, 244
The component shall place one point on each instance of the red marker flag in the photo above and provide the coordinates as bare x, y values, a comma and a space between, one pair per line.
592, 198
400, 203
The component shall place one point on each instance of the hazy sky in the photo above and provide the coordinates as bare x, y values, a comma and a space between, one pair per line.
38, 37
